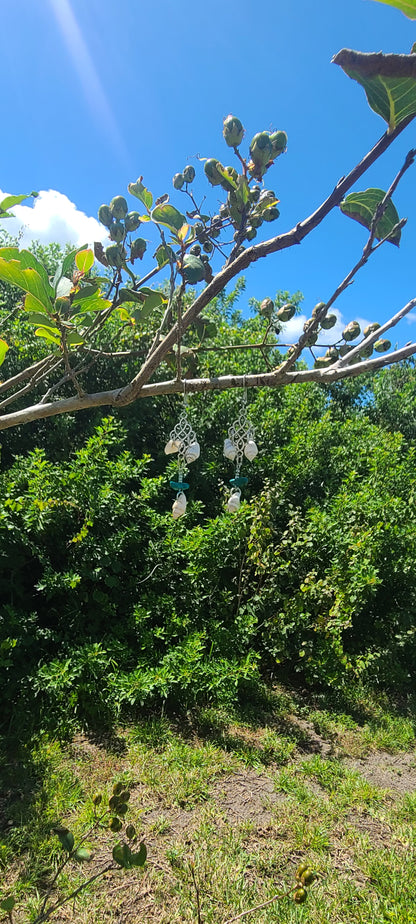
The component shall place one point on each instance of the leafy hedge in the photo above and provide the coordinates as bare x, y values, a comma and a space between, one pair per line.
109, 606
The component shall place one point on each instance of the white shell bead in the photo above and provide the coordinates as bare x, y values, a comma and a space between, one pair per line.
179, 506
250, 450
192, 453
172, 446
234, 501
230, 451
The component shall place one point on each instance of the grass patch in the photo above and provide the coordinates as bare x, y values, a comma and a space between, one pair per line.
229, 805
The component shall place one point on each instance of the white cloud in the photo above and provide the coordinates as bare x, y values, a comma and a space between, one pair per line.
52, 218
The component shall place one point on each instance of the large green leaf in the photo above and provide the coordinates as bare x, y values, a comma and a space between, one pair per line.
140, 192
84, 260
408, 7
164, 255
93, 303
388, 80
167, 215
3, 350
21, 269
10, 201
362, 207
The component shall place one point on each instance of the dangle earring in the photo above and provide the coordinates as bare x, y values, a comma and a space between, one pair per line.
182, 440
239, 443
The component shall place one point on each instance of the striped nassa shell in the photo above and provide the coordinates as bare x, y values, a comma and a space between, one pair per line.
250, 450
192, 452
230, 450
234, 501
179, 505
172, 446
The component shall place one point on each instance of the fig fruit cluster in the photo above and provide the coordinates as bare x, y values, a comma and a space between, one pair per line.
120, 222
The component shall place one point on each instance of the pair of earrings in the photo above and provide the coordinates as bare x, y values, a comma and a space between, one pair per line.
239, 443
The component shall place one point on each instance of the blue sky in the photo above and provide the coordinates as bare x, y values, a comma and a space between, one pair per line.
97, 93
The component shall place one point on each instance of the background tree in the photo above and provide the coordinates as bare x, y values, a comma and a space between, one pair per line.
84, 319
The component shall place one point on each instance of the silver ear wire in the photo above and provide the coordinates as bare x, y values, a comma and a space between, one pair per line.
239, 444
183, 441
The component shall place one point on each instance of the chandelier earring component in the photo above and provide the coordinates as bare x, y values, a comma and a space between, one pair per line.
182, 439
239, 444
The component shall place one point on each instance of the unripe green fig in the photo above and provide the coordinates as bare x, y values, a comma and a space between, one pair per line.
178, 180
189, 174
328, 322
371, 328
322, 362
132, 221
255, 193
122, 809
115, 824
117, 789
256, 220
233, 131
117, 232
196, 250
308, 876
105, 215
279, 143
286, 312
271, 214
351, 331
62, 304
224, 211
119, 207
251, 233
193, 269
138, 249
208, 246
366, 352
130, 832
301, 869
97, 798
344, 349
115, 255
261, 149
300, 896
211, 172
267, 307
318, 308
381, 346
332, 354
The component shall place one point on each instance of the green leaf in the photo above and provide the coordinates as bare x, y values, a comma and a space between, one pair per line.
389, 82
408, 7
83, 854
10, 201
86, 292
84, 260
3, 350
151, 301
47, 333
66, 264
94, 303
35, 317
140, 192
21, 269
362, 207
139, 858
8, 903
63, 287
226, 176
169, 216
122, 855
164, 255
65, 836
74, 339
